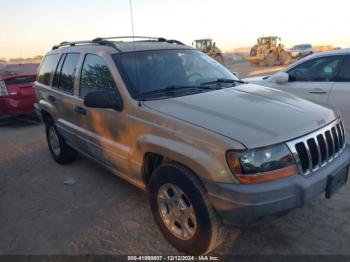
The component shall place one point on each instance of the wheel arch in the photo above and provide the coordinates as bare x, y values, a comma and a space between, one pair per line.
160, 150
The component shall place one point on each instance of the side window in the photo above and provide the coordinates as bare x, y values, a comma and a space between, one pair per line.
46, 69
316, 70
56, 77
67, 75
344, 75
95, 75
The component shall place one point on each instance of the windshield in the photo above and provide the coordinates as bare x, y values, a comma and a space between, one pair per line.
149, 71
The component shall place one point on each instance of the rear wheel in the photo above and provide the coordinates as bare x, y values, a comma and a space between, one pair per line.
60, 151
182, 210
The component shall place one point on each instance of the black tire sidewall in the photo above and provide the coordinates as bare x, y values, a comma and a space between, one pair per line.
67, 154
201, 241
48, 127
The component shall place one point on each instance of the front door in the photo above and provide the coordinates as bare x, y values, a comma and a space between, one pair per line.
340, 94
103, 132
313, 79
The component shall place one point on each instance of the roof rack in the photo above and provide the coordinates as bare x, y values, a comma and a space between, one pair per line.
105, 41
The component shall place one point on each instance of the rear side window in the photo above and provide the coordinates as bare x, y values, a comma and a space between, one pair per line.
47, 68
67, 73
344, 75
95, 75
20, 80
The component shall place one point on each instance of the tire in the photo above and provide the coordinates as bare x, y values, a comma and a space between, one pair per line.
270, 59
285, 58
205, 230
60, 151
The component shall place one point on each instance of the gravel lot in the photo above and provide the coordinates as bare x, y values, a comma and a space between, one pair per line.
102, 214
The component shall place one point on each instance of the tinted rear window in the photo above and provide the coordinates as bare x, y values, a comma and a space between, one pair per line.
20, 80
47, 68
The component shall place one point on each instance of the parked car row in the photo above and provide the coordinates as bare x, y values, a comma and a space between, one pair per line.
211, 150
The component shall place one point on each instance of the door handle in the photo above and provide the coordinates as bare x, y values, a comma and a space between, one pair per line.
318, 91
80, 110
51, 98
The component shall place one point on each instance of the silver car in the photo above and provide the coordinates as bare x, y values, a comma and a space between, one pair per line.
323, 78
209, 149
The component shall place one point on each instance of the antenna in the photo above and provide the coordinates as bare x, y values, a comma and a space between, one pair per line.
133, 40
132, 20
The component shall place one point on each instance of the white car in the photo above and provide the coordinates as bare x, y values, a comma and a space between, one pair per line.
322, 77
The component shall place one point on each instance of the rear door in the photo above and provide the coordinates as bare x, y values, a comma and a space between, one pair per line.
312, 79
340, 94
62, 96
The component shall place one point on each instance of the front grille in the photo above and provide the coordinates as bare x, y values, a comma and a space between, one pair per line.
318, 148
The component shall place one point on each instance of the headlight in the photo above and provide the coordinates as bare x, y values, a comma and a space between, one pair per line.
262, 164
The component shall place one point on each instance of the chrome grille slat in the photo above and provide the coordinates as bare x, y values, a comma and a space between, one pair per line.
308, 155
342, 130
331, 133
307, 149
318, 153
327, 150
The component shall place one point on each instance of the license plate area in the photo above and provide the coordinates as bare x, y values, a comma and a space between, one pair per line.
334, 183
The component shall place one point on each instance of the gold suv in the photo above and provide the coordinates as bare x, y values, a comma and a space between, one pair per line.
210, 149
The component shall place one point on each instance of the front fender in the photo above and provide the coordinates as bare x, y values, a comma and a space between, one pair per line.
207, 163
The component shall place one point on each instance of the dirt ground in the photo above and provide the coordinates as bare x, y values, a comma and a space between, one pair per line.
102, 214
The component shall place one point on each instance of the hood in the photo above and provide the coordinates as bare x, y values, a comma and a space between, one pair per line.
253, 115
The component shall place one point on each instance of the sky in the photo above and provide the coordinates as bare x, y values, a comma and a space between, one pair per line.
29, 28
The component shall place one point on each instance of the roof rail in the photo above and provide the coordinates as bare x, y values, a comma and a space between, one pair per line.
105, 41
157, 39
98, 41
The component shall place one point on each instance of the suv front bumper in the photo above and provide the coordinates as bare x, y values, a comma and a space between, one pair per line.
243, 204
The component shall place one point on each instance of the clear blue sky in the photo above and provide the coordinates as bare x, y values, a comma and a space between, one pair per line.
32, 27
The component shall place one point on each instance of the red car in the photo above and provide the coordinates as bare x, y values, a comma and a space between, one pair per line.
17, 94
16, 88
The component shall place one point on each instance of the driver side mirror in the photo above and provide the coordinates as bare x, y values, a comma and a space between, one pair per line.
104, 99
279, 78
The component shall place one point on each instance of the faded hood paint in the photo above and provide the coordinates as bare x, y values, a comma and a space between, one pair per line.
253, 115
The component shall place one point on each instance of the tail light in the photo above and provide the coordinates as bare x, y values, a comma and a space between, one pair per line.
3, 89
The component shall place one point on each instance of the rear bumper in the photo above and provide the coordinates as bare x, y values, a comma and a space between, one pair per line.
13, 106
243, 204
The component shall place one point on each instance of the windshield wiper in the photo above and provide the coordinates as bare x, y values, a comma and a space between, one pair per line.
172, 90
223, 80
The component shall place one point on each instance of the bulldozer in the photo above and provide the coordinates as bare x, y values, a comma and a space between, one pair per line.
269, 50
209, 47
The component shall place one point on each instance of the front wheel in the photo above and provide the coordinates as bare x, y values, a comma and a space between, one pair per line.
182, 210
